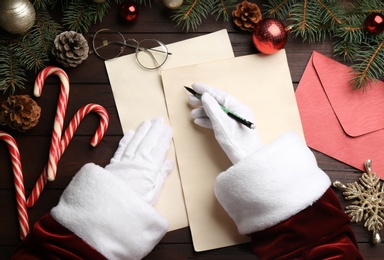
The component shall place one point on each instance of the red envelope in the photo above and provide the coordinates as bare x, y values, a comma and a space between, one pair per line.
338, 121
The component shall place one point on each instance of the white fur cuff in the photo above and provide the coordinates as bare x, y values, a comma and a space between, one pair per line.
100, 209
271, 185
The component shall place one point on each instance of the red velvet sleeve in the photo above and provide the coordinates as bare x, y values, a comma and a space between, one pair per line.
321, 231
49, 240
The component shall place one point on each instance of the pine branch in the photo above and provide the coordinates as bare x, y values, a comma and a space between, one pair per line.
306, 21
99, 11
12, 75
29, 53
45, 30
313, 20
43, 4
367, 7
223, 8
370, 63
345, 49
80, 15
278, 8
332, 14
190, 14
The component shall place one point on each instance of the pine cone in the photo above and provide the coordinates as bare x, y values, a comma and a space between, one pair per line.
70, 48
20, 112
246, 15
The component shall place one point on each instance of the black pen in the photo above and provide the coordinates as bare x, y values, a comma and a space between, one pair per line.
226, 110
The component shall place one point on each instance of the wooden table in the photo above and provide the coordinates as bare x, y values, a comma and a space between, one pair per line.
89, 83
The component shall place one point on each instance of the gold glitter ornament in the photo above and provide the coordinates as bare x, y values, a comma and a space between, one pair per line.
17, 16
368, 204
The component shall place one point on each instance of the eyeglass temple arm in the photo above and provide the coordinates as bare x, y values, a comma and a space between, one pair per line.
108, 43
128, 45
146, 49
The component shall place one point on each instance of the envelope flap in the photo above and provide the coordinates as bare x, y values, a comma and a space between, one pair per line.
358, 112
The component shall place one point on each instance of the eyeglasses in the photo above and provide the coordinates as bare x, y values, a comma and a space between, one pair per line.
150, 53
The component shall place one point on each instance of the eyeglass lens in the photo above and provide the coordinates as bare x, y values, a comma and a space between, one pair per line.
151, 54
108, 45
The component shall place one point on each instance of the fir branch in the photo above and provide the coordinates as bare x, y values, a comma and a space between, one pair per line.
371, 6
345, 49
80, 15
45, 30
313, 20
370, 64
331, 14
223, 8
189, 15
352, 31
306, 21
43, 4
32, 51
12, 74
278, 8
74, 17
99, 11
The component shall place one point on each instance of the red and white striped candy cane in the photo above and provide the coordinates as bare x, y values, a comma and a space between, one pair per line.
65, 140
53, 158
19, 183
78, 117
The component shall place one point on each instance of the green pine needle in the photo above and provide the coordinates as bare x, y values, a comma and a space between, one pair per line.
313, 20
12, 73
43, 4
370, 63
189, 15
278, 8
79, 16
223, 8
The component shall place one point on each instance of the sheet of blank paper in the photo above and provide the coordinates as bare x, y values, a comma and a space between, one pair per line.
262, 82
139, 96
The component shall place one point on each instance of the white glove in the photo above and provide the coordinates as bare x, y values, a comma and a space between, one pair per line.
237, 140
140, 159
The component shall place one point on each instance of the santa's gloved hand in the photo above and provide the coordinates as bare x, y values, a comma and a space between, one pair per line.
235, 139
140, 159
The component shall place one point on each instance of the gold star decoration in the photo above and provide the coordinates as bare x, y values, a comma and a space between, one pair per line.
368, 201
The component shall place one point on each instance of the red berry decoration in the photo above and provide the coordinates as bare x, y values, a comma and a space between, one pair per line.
269, 35
128, 12
374, 23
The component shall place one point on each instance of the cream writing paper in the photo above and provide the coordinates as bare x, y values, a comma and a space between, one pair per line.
139, 96
263, 82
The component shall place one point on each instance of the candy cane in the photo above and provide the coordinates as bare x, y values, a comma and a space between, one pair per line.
53, 158
19, 183
65, 140
81, 113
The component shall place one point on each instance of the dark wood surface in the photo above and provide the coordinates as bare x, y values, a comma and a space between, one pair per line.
89, 83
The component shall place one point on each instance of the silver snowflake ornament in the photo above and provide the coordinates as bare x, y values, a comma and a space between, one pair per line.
368, 201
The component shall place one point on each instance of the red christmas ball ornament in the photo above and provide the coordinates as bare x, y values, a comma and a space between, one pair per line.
269, 35
374, 23
128, 12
